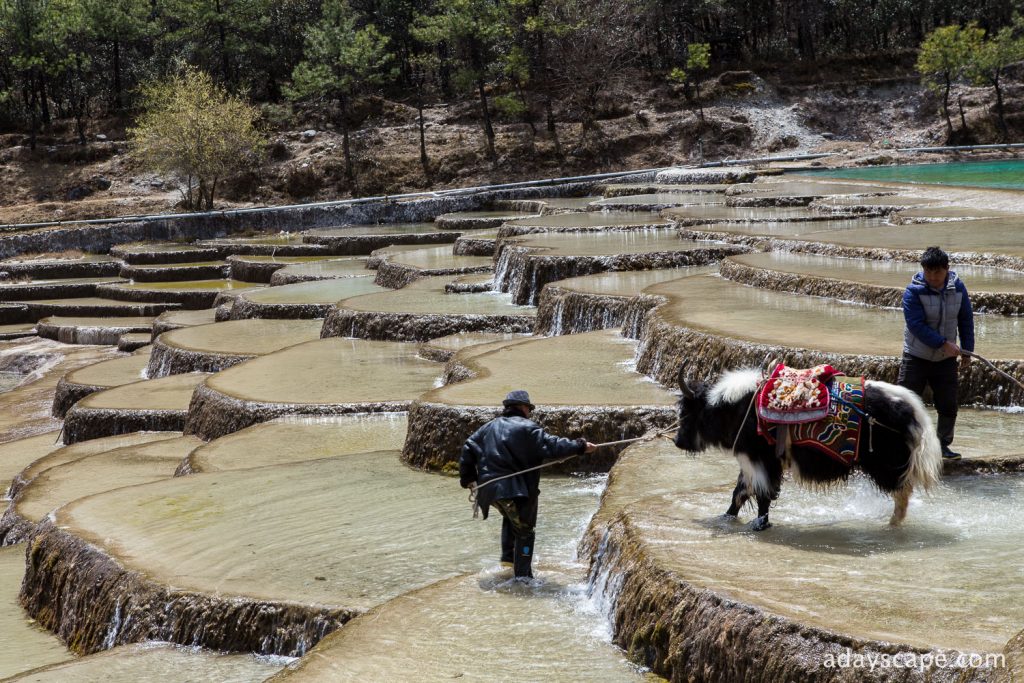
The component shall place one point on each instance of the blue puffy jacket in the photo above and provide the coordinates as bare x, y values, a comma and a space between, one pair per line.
936, 316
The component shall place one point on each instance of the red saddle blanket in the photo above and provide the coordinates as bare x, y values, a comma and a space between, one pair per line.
792, 396
825, 411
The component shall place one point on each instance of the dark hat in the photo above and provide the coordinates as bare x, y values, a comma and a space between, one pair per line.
518, 397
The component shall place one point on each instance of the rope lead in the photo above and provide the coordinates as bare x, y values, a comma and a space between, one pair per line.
473, 488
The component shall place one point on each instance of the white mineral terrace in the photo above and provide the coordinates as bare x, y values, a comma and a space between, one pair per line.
329, 372
384, 229
591, 220
242, 337
602, 358
880, 273
199, 532
826, 549
154, 661
26, 645
728, 309
427, 296
313, 292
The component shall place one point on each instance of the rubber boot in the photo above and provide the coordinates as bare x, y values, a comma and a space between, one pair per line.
524, 558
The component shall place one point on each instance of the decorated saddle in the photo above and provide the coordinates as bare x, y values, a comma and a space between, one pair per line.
820, 408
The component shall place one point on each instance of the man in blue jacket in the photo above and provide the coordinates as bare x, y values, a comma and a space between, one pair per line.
507, 445
937, 309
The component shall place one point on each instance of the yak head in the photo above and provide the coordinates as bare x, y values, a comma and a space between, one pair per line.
712, 415
691, 409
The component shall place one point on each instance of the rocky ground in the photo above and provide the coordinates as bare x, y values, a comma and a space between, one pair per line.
861, 112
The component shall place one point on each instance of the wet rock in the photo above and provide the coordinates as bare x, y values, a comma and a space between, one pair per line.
342, 322
363, 244
524, 271
152, 254
101, 331
200, 271
93, 602
564, 311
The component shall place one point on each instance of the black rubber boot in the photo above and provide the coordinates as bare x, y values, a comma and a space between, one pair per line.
523, 562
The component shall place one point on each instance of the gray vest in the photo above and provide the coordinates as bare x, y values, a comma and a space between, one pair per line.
940, 313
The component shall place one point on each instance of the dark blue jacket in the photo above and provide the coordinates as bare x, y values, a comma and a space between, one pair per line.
936, 316
506, 445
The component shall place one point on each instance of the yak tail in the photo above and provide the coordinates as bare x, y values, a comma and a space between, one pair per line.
924, 469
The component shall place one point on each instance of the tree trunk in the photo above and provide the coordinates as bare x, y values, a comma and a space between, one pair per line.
423, 138
346, 150
222, 34
488, 128
44, 105
117, 76
945, 108
700, 103
963, 119
999, 108
552, 128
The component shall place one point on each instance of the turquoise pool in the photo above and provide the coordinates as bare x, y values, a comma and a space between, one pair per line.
1008, 174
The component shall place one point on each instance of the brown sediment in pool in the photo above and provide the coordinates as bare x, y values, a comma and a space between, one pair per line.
786, 192
708, 325
320, 270
476, 220
597, 396
132, 342
625, 189
95, 306
214, 347
483, 243
154, 661
25, 410
525, 265
56, 288
331, 376
89, 330
78, 384
423, 310
26, 646
150, 405
190, 294
163, 253
63, 454
81, 266
18, 454
363, 240
759, 234
586, 221
60, 484
598, 302
312, 299
656, 201
878, 283
673, 569
698, 215
176, 272
293, 439
399, 267
474, 283
286, 244
311, 575
884, 205
173, 320
441, 349
17, 331
260, 268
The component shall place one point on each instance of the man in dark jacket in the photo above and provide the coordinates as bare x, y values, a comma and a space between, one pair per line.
506, 445
937, 310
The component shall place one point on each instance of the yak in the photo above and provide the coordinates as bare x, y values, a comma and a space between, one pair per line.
899, 450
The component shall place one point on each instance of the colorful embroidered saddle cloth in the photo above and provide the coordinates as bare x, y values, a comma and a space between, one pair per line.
837, 432
792, 396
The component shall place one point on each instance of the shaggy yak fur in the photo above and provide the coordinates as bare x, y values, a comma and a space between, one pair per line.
904, 453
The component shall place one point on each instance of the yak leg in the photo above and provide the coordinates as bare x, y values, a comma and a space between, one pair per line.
901, 498
761, 522
740, 496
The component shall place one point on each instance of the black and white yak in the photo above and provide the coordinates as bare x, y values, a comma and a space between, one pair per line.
900, 453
